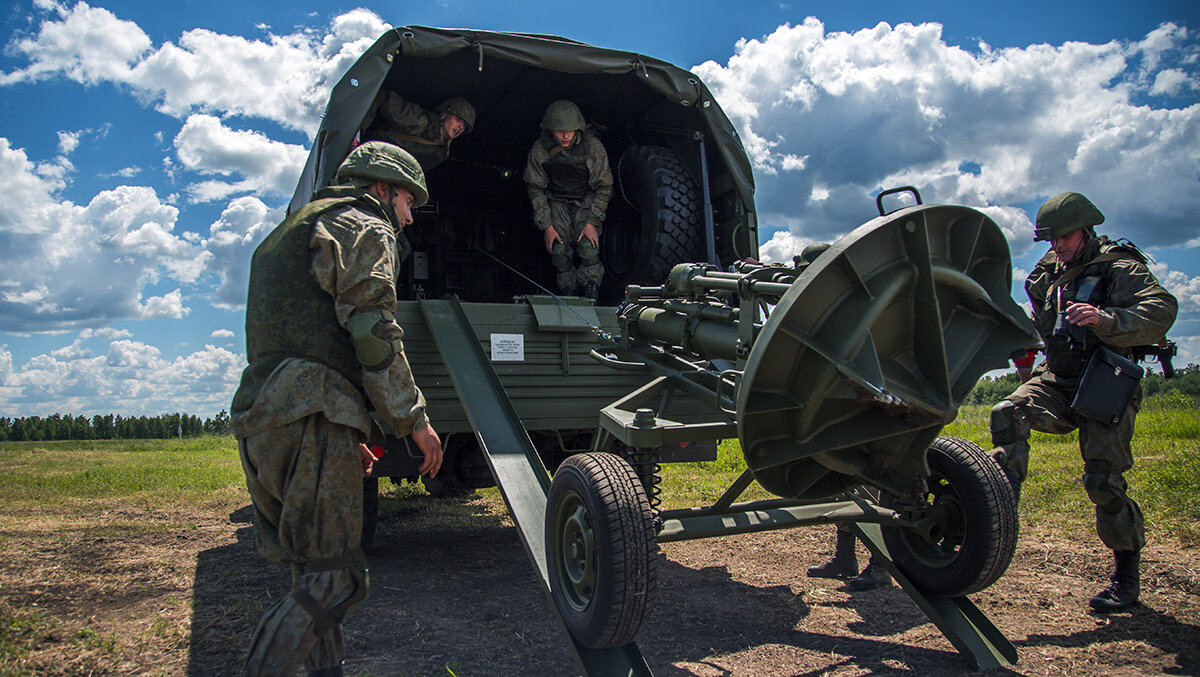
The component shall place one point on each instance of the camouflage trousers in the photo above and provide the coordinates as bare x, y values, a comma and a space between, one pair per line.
1107, 456
305, 481
565, 217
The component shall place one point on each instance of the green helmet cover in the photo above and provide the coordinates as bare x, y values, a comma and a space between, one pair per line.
563, 116
460, 107
381, 161
1063, 214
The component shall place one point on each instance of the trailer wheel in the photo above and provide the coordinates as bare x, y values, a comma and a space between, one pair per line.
601, 552
370, 511
973, 537
668, 227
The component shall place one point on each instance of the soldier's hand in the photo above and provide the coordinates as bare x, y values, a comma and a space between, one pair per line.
589, 231
368, 459
552, 236
431, 448
1083, 314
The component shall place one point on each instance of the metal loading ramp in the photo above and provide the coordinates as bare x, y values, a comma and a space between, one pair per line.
519, 472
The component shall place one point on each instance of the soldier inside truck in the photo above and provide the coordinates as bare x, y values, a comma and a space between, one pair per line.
476, 238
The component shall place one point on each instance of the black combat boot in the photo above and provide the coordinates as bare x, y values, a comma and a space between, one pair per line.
591, 291
1126, 584
874, 576
843, 564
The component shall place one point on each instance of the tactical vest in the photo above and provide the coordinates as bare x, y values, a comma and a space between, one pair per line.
1090, 285
287, 313
429, 152
567, 174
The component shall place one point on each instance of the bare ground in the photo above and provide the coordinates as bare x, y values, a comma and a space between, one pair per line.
178, 593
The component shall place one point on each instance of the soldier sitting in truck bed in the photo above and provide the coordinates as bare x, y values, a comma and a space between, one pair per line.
426, 135
570, 184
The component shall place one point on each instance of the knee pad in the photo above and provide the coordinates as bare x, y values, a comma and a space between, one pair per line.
376, 337
587, 253
1003, 423
1095, 483
558, 256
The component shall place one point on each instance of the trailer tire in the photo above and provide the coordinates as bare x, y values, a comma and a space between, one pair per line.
668, 226
973, 545
601, 552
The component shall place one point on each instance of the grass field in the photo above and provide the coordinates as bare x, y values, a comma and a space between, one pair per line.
77, 475
102, 489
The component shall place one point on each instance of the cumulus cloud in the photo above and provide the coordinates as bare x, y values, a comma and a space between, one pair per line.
69, 266
889, 106
282, 78
221, 333
130, 378
232, 239
206, 146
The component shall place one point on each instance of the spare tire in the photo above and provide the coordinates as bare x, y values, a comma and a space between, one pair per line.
668, 224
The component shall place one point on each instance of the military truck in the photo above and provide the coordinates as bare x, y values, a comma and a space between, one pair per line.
683, 191
836, 373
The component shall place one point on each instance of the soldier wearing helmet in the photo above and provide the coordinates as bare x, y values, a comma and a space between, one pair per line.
324, 349
423, 133
1086, 293
570, 184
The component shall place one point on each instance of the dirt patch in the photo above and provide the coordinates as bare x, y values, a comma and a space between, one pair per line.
178, 593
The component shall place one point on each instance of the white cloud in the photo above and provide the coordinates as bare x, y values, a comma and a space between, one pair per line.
206, 146
889, 106
284, 78
88, 45
130, 378
221, 333
232, 239
69, 266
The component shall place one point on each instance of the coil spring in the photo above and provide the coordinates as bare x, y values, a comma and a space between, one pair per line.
648, 467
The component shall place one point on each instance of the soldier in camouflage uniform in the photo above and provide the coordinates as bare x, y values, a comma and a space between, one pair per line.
1124, 307
426, 135
324, 349
570, 185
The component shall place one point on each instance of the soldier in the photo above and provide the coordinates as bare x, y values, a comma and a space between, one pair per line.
324, 349
424, 134
844, 564
570, 185
1099, 293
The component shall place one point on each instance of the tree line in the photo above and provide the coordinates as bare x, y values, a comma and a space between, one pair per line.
111, 427
1186, 383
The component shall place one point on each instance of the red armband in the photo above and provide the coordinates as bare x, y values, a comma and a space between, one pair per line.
1026, 360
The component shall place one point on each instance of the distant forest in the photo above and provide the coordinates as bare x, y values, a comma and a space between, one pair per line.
1186, 383
111, 427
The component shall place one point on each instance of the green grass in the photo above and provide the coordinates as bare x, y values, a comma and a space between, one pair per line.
78, 473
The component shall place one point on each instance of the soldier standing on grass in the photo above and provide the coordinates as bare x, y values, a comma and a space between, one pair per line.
570, 184
324, 349
1099, 294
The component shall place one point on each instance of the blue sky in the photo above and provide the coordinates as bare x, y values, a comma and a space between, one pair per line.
147, 147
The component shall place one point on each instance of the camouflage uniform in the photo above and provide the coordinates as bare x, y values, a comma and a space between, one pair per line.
1134, 310
569, 189
405, 124
299, 416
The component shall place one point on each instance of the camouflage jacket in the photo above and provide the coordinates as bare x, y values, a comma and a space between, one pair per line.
354, 259
578, 174
1134, 308
409, 126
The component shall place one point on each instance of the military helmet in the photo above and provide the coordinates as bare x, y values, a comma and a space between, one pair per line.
460, 107
563, 116
381, 161
1063, 214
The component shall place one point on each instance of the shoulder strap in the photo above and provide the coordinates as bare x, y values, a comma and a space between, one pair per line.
1072, 273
